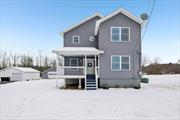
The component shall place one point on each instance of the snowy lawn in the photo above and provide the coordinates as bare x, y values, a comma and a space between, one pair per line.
160, 99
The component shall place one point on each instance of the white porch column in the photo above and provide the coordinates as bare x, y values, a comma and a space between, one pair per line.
95, 61
57, 70
98, 60
79, 86
59, 67
62, 60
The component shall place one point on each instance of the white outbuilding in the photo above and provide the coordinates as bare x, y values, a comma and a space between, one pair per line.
19, 74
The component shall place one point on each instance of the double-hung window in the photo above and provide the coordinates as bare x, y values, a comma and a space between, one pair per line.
120, 34
76, 39
120, 62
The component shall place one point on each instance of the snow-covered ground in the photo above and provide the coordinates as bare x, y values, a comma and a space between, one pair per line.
160, 99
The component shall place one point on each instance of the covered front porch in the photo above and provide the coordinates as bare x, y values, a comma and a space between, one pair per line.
79, 63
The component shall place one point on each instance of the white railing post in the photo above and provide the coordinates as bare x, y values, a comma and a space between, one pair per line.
85, 70
96, 71
98, 65
79, 86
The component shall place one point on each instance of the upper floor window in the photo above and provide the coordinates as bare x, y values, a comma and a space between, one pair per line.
120, 62
120, 34
76, 39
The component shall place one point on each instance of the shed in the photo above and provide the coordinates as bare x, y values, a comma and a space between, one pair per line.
19, 74
49, 73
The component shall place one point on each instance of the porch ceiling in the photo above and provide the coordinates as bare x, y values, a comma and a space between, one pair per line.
75, 51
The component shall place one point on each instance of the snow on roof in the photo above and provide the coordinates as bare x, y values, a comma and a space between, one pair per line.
26, 69
78, 50
121, 10
85, 20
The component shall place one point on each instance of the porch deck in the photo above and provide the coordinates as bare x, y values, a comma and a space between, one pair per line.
84, 62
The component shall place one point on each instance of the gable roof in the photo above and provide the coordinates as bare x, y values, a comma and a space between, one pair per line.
22, 69
83, 21
26, 69
121, 10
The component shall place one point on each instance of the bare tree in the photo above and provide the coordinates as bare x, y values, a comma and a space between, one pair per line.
13, 59
37, 61
40, 58
25, 60
145, 60
46, 61
156, 60
3, 60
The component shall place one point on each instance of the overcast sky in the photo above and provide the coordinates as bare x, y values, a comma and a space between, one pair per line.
30, 26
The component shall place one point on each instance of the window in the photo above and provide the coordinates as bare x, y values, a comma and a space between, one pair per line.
124, 34
120, 62
125, 63
115, 34
115, 63
76, 39
120, 34
73, 62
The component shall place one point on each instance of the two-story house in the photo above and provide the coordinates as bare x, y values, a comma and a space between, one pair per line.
102, 52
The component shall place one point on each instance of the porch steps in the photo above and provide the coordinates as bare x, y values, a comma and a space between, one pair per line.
91, 82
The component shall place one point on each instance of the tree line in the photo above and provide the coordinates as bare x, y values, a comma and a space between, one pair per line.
155, 67
40, 62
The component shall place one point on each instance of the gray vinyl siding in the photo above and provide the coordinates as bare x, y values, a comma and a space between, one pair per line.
119, 48
85, 30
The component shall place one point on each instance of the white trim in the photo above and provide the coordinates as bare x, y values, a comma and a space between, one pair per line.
74, 37
73, 51
120, 34
120, 56
83, 21
121, 10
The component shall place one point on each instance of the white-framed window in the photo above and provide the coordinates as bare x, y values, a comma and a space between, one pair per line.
120, 63
74, 63
76, 39
120, 34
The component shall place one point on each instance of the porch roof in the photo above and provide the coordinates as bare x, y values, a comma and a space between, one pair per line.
66, 51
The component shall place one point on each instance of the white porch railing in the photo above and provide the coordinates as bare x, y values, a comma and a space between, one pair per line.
70, 70
52, 75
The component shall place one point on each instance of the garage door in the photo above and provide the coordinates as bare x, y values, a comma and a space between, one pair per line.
16, 76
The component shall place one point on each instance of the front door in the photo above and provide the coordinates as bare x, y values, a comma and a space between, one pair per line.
90, 66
